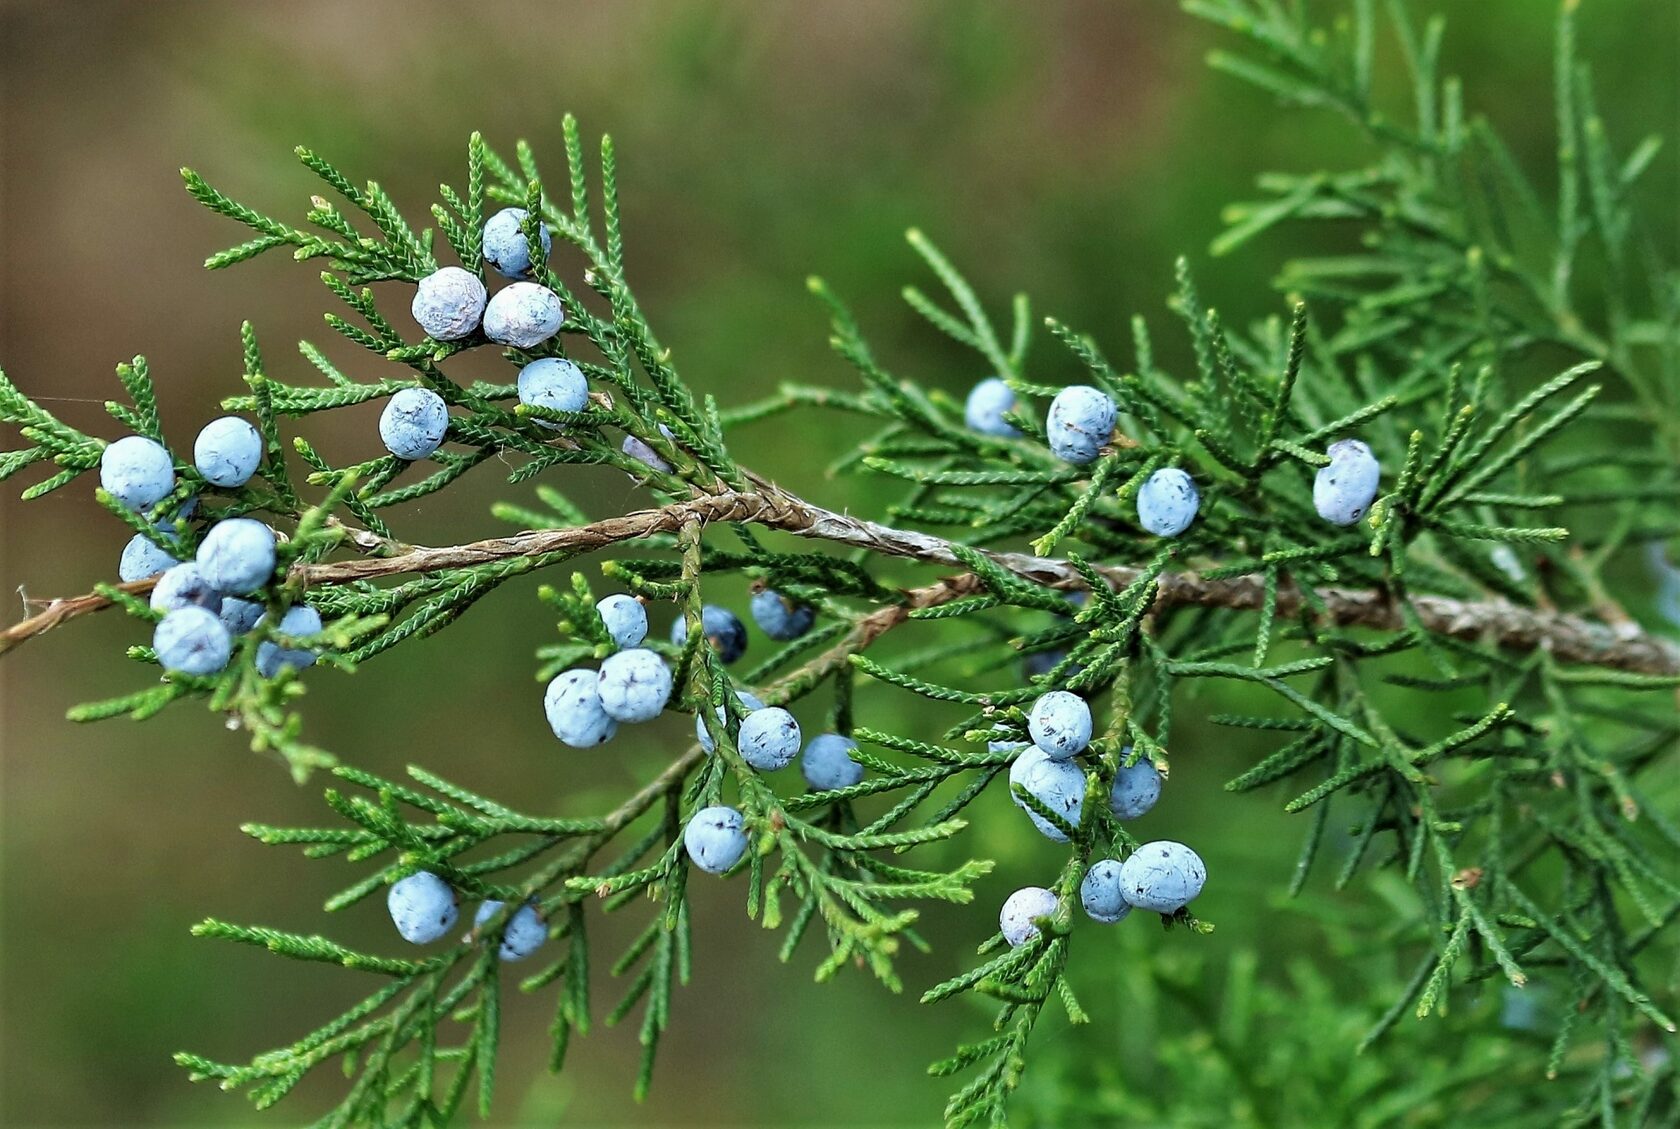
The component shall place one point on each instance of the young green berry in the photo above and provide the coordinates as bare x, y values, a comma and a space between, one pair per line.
228, 451
522, 934
749, 703
237, 555
634, 685
768, 738
300, 620
137, 472
827, 762
239, 616
1080, 422
625, 618
1060, 724
724, 630
142, 559
555, 384
1135, 789
422, 907
1344, 490
1103, 894
573, 705
185, 586
645, 454
1058, 785
1167, 502
523, 315
448, 304
715, 839
192, 640
1021, 911
1163, 876
413, 423
987, 403
505, 246
779, 617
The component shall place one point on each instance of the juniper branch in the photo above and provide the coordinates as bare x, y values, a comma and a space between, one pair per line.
1569, 638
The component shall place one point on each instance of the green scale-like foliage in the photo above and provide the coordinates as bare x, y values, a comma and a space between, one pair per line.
1518, 841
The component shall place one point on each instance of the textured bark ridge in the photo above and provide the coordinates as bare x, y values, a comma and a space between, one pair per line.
1569, 638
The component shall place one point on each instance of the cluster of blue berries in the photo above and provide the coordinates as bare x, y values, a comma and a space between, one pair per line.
204, 601
767, 737
424, 907
1162, 876
451, 304
1081, 422
585, 707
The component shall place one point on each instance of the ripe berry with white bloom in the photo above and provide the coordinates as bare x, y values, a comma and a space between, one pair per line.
1060, 724
723, 628
573, 705
827, 762
1135, 789
749, 703
299, 620
413, 423
987, 402
556, 384
634, 685
448, 303
505, 246
1344, 490
1163, 876
523, 315
422, 907
522, 935
192, 640
137, 472
1081, 420
141, 559
768, 739
1058, 785
715, 839
625, 617
237, 555
779, 617
1167, 502
185, 586
1102, 894
1019, 911
228, 451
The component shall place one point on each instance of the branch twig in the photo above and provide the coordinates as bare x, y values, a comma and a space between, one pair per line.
1569, 638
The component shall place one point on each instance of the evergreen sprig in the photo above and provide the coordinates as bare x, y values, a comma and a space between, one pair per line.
1523, 840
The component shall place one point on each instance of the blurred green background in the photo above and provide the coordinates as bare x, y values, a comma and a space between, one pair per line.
1063, 148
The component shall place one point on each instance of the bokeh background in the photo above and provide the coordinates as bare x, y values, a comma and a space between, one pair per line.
1069, 149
